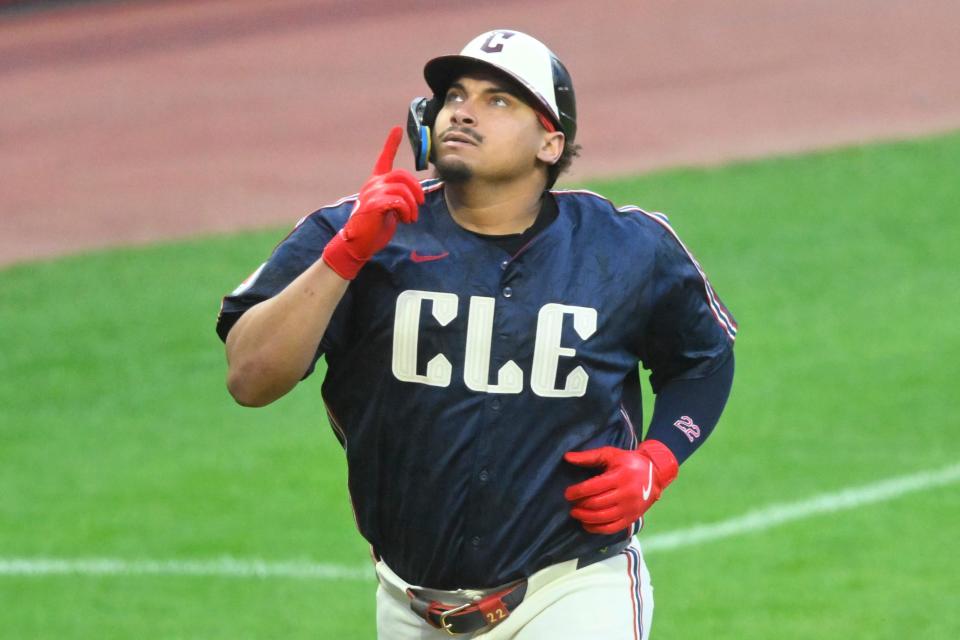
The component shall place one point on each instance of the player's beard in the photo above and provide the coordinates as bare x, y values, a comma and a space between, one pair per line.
453, 171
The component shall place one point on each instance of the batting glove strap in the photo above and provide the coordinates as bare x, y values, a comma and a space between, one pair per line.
664, 462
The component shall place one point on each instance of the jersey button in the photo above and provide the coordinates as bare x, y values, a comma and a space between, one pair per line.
484, 475
504, 264
507, 292
476, 541
495, 404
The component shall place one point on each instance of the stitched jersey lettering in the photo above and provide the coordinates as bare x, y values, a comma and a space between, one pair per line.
477, 348
406, 332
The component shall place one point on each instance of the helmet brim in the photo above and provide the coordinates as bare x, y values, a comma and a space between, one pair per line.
441, 72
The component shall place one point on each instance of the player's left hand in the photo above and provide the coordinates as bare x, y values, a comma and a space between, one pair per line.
630, 483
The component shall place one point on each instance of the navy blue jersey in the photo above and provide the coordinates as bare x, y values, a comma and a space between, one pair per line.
458, 376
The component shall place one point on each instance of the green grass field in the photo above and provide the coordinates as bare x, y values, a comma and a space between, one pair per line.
118, 439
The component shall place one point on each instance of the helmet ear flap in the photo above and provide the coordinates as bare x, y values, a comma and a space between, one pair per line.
420, 119
430, 111
565, 97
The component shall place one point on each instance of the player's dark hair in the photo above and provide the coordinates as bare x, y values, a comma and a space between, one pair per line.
571, 150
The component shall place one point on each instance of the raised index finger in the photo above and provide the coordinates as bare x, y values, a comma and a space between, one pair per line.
385, 161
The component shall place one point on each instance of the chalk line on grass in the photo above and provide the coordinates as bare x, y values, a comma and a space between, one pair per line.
778, 514
228, 567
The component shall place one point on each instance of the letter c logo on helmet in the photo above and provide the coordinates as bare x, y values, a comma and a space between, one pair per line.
488, 47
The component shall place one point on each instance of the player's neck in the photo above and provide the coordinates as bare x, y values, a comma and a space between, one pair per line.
493, 209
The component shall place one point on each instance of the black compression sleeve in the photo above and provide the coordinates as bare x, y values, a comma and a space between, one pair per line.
686, 411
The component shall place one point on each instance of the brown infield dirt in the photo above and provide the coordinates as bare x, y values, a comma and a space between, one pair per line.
131, 122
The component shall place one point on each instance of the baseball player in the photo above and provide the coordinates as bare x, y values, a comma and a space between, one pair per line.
483, 335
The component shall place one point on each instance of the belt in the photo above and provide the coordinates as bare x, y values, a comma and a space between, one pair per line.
494, 608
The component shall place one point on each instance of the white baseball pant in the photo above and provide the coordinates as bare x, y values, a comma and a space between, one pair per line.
609, 600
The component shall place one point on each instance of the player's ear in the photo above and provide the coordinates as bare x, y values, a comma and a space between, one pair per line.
552, 147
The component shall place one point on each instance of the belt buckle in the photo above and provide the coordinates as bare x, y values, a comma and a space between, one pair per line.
443, 619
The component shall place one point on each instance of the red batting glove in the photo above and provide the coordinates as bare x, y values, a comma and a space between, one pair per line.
630, 483
390, 194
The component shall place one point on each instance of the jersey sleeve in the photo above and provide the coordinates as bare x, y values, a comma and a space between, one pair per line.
300, 249
690, 332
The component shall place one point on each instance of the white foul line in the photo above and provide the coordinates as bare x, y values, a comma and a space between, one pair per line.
225, 567
778, 514
228, 567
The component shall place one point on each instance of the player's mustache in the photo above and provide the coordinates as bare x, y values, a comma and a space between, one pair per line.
464, 130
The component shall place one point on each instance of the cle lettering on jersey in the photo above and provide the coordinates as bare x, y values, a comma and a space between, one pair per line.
476, 371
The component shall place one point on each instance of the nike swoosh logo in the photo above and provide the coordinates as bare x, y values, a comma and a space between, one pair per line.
647, 489
417, 257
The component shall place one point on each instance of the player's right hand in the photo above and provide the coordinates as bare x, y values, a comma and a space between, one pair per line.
387, 196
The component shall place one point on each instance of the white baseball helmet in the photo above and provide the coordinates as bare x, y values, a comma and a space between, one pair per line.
521, 57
